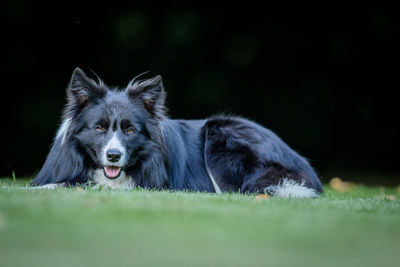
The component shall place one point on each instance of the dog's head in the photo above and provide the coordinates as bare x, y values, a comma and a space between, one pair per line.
113, 127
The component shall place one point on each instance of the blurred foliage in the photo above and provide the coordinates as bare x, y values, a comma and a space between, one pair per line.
322, 80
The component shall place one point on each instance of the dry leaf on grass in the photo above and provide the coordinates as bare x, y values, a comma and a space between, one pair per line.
79, 189
389, 197
338, 185
262, 196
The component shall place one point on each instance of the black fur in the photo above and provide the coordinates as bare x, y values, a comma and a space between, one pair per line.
163, 153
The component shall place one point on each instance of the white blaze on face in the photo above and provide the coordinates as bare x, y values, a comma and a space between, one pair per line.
113, 144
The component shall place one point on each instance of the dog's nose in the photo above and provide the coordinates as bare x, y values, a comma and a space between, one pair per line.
113, 155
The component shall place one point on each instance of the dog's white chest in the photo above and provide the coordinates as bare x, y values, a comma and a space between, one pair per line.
122, 182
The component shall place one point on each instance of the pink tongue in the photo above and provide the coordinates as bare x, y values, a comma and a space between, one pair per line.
112, 172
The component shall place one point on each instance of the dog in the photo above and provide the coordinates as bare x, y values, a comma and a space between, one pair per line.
124, 139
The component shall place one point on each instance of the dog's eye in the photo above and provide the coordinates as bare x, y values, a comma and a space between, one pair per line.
99, 128
130, 130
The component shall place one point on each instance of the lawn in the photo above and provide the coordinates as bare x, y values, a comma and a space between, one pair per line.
86, 227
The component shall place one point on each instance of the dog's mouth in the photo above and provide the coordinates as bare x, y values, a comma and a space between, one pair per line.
112, 172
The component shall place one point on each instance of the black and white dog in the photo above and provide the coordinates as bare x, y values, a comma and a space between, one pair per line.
124, 139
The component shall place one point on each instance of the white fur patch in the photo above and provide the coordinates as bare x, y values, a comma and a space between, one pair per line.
291, 189
216, 187
214, 183
48, 186
62, 131
122, 182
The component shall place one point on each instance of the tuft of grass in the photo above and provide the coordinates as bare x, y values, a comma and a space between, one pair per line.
103, 227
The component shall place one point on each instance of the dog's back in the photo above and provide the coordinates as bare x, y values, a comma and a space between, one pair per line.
233, 154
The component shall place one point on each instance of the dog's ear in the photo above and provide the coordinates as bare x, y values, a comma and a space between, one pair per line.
82, 88
150, 93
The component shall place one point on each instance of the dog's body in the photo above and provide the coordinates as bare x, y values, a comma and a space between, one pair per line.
122, 139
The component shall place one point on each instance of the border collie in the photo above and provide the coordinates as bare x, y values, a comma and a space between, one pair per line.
124, 139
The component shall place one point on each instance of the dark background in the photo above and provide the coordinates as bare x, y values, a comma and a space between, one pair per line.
323, 77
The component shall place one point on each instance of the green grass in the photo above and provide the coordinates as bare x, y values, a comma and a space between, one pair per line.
72, 227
